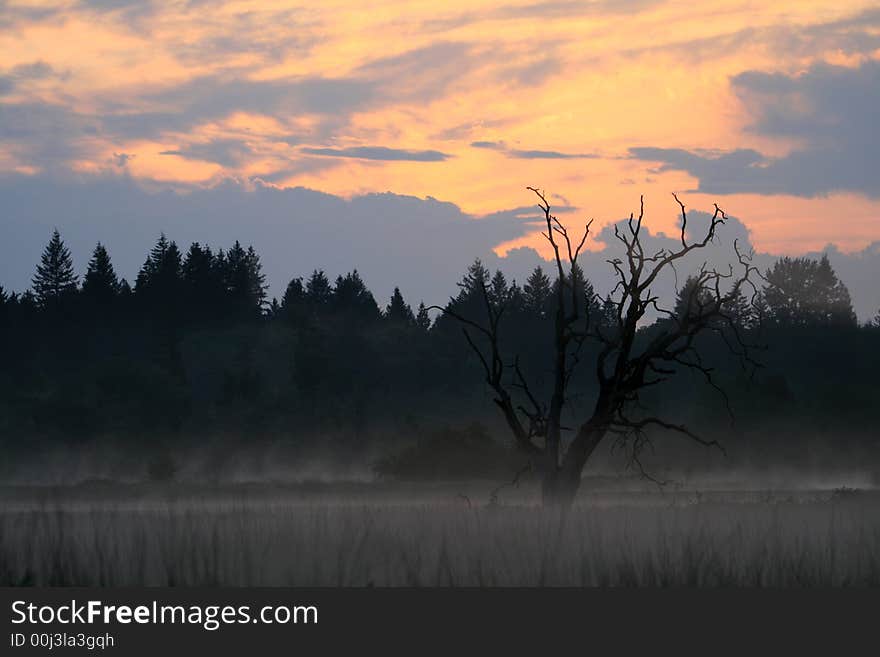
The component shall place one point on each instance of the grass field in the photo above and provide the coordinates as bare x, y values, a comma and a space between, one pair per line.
375, 536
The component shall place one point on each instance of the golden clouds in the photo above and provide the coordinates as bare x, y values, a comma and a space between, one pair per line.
198, 91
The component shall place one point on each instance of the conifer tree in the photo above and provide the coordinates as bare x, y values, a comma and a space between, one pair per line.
398, 311
101, 285
351, 297
244, 280
54, 279
536, 293
423, 320
498, 288
318, 290
160, 274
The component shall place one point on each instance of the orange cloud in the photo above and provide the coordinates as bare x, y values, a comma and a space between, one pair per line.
255, 89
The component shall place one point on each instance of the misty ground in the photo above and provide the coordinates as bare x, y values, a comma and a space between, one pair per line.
623, 531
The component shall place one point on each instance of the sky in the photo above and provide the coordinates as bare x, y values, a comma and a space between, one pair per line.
196, 116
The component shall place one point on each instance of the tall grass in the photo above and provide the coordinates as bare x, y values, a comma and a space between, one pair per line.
706, 543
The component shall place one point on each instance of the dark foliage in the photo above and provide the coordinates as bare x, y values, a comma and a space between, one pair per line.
194, 355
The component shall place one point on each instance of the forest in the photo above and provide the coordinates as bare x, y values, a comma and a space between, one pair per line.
194, 358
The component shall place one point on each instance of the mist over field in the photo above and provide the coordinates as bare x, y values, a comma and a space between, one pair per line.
187, 430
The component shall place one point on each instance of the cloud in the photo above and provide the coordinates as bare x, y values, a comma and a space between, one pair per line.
14, 15
538, 11
225, 152
832, 110
379, 153
493, 145
422, 74
45, 135
531, 74
210, 97
530, 154
23, 73
547, 155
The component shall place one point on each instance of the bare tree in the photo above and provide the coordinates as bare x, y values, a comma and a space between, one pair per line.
624, 366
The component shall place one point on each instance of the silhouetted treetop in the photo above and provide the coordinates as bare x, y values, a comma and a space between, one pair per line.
161, 273
101, 284
55, 277
318, 289
806, 292
351, 297
692, 298
537, 293
398, 311
476, 277
423, 320
245, 282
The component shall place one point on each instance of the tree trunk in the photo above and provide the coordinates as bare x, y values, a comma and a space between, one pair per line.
559, 485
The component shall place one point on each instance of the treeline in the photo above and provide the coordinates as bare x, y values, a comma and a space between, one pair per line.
196, 352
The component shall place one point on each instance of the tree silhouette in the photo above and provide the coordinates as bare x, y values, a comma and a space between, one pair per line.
318, 290
100, 285
475, 279
159, 279
55, 278
623, 367
691, 298
537, 293
203, 283
244, 281
498, 288
4, 311
293, 303
398, 311
423, 320
806, 292
352, 299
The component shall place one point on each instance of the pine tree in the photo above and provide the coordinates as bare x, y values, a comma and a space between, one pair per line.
124, 289
423, 320
161, 273
398, 311
691, 299
293, 303
608, 317
875, 322
592, 304
318, 290
245, 282
55, 278
159, 288
4, 309
202, 283
536, 293
741, 312
100, 285
351, 297
498, 289
475, 279
515, 299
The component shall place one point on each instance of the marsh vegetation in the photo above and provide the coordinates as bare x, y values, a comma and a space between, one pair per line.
370, 535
